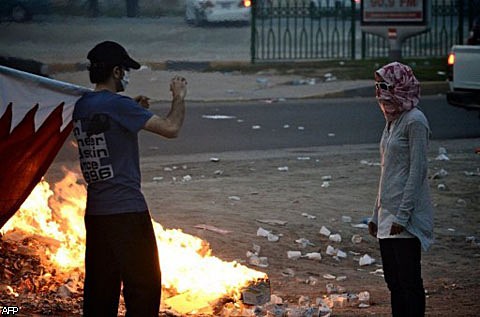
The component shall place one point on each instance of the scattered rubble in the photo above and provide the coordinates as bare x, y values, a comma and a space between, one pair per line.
324, 231
267, 234
442, 154
33, 285
366, 260
440, 174
309, 216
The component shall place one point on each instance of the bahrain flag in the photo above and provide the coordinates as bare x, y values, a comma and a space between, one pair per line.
35, 120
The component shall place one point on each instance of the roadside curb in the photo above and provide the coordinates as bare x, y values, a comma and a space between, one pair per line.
427, 88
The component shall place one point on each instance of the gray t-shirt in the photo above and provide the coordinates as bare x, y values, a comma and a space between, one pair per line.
106, 127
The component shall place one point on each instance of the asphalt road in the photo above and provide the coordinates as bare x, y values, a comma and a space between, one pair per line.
211, 128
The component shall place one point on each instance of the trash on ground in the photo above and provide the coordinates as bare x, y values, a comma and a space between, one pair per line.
313, 256
267, 234
335, 237
369, 163
299, 82
260, 261
331, 250
346, 219
356, 238
263, 81
304, 301
294, 255
218, 117
366, 260
329, 77
360, 226
440, 174
378, 272
311, 280
283, 168
304, 214
341, 278
262, 232
476, 173
272, 222
273, 237
304, 242
212, 228
461, 202
473, 241
288, 272
442, 157
324, 231
364, 297
442, 154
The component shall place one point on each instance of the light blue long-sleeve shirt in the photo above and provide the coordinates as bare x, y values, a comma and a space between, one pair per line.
404, 188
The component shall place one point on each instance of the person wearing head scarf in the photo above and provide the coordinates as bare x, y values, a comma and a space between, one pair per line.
403, 214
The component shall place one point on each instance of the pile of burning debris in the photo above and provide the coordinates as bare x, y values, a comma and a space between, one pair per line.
29, 282
26, 281
41, 255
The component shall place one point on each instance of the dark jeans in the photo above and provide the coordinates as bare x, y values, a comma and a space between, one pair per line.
402, 269
121, 248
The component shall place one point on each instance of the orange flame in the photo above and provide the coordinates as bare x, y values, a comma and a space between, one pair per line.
189, 271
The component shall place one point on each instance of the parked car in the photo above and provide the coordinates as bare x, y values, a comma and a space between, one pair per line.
22, 10
463, 77
464, 72
198, 12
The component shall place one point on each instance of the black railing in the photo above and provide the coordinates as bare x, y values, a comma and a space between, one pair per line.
287, 30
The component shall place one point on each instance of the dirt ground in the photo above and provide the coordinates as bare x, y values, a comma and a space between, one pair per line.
244, 187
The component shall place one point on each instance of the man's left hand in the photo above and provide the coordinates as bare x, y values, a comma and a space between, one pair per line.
396, 229
143, 101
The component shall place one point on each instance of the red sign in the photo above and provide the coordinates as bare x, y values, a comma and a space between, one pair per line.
393, 11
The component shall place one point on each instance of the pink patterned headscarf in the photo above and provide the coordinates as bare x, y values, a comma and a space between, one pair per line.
406, 88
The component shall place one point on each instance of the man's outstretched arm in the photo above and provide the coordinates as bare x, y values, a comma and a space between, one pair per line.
170, 125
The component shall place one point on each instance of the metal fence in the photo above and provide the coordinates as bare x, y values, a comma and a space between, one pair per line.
292, 30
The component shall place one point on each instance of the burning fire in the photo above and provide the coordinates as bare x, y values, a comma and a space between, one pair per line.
192, 278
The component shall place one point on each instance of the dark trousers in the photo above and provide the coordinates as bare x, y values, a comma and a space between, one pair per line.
402, 269
121, 248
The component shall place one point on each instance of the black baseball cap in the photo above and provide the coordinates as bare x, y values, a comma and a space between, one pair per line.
113, 54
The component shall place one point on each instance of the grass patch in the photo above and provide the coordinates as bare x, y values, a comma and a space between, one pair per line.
431, 69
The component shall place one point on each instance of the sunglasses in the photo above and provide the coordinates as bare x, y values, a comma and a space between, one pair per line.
383, 85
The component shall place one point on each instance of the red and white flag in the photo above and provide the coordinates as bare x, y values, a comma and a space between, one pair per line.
35, 120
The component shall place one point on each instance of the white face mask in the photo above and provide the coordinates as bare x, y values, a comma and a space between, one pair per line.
125, 80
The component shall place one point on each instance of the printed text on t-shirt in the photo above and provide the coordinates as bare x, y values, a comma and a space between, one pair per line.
93, 152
